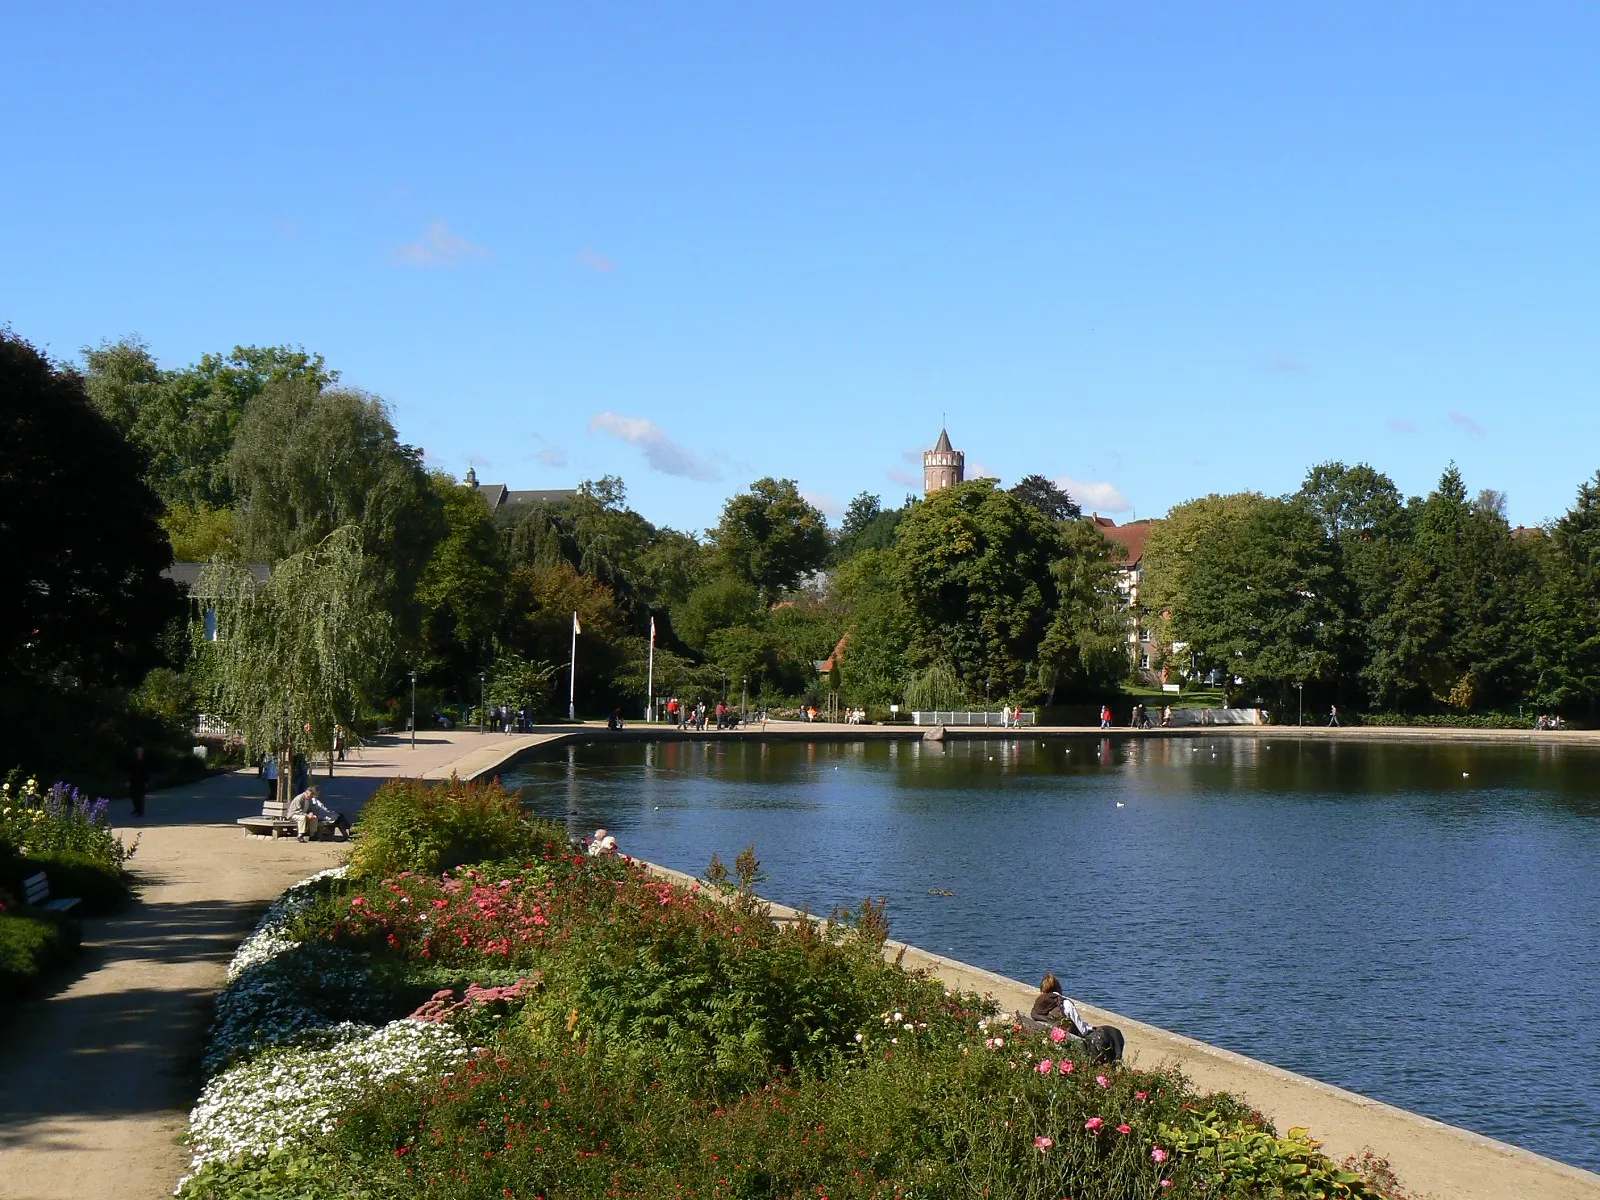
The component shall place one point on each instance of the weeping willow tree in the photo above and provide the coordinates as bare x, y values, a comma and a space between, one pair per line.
297, 655
939, 687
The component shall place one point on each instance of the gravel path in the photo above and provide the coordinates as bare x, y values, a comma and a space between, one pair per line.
96, 1080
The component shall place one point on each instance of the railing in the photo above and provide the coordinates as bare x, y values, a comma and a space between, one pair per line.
1015, 721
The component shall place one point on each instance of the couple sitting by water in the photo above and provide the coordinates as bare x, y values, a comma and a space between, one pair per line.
1051, 1007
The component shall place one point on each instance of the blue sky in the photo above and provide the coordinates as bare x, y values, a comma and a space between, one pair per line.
1152, 250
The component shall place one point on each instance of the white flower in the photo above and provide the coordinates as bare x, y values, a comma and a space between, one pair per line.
899, 1016
859, 1037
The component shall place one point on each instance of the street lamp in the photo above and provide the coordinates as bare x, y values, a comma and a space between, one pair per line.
413, 675
1301, 688
483, 700
744, 697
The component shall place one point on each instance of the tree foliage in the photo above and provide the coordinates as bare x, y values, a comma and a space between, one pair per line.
84, 600
770, 536
300, 653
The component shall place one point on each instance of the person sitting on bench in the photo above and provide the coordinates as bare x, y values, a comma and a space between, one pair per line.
1104, 1042
310, 814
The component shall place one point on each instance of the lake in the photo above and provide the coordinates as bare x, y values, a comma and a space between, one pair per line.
1416, 922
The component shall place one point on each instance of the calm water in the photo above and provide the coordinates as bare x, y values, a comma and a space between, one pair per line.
1418, 923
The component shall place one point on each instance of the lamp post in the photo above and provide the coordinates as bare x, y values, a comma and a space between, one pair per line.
744, 697
483, 700
413, 675
1301, 688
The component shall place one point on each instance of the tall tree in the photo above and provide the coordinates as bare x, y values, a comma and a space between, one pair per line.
974, 565
770, 536
185, 420
462, 587
84, 600
308, 460
299, 654
1264, 600
1046, 498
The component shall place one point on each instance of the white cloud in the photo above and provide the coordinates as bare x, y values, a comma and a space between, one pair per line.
979, 471
904, 478
823, 503
438, 247
660, 451
1401, 425
552, 456
1461, 420
1094, 496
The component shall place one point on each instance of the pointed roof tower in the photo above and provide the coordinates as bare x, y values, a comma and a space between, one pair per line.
943, 466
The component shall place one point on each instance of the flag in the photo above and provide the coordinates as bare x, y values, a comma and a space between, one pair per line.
576, 628
652, 631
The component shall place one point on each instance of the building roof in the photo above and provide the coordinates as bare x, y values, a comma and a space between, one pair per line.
944, 441
826, 664
497, 495
187, 574
1131, 537
546, 496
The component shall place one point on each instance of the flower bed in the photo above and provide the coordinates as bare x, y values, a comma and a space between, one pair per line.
67, 835
587, 1030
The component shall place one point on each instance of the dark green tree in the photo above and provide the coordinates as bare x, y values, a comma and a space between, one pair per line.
462, 588
307, 460
974, 566
84, 600
1264, 600
770, 536
1046, 498
185, 420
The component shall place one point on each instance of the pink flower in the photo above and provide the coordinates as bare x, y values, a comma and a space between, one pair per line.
1041, 1144
1124, 1130
1066, 1067
1158, 1155
1058, 1035
1141, 1095
1093, 1124
1102, 1081
1045, 1066
1165, 1184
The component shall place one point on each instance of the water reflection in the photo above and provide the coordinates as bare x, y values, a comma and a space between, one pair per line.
1403, 920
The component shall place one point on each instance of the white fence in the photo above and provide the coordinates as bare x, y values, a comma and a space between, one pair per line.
208, 726
1016, 721
1213, 716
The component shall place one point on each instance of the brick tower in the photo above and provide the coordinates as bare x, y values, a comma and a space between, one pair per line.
943, 466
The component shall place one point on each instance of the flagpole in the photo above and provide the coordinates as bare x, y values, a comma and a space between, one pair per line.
572, 674
650, 678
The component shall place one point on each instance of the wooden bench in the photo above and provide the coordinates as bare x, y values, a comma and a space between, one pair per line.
38, 895
270, 821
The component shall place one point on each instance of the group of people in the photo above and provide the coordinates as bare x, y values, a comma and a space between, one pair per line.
1141, 718
510, 720
856, 716
695, 716
1549, 722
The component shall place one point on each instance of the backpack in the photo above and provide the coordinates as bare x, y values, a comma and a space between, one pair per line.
1104, 1044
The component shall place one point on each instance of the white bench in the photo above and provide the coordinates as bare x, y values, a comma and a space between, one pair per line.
271, 821
38, 896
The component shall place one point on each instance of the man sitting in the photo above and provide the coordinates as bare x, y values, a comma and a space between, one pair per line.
310, 815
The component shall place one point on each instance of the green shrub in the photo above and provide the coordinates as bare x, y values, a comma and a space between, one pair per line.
429, 828
1451, 720
101, 888
30, 944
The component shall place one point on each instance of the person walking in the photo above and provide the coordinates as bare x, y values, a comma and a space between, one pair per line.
1333, 715
1105, 716
138, 780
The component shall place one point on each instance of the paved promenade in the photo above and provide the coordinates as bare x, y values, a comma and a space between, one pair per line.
96, 1080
